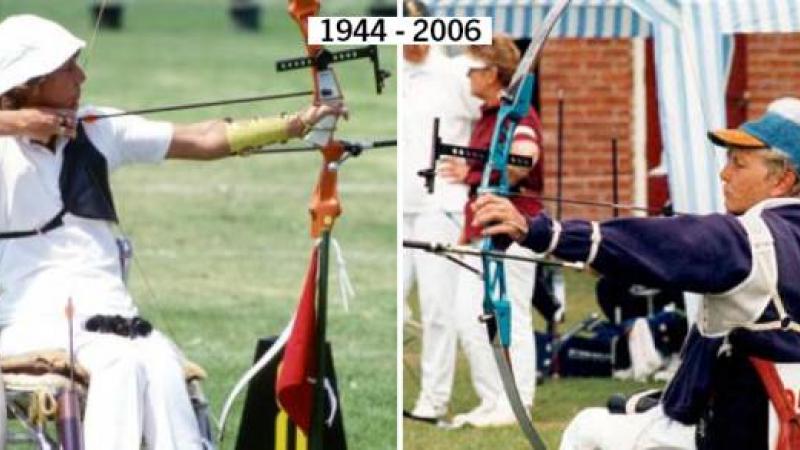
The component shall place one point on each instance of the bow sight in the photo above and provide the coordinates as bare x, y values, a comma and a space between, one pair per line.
439, 149
325, 58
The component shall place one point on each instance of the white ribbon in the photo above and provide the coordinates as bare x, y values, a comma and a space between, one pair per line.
346, 291
265, 359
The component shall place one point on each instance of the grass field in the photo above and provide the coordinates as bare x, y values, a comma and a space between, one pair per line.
557, 401
222, 247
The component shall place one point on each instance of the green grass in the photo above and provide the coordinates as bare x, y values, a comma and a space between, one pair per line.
222, 247
557, 400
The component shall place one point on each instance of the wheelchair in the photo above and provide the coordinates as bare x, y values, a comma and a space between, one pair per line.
32, 381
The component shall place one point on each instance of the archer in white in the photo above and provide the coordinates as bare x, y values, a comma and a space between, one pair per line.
57, 232
433, 86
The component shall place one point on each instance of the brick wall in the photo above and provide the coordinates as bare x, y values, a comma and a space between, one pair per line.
597, 81
773, 69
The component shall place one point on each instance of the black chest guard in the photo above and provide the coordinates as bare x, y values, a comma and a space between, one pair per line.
84, 186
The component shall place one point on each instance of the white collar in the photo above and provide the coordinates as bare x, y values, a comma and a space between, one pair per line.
775, 202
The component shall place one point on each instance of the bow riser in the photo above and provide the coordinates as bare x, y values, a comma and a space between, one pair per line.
324, 206
327, 92
326, 85
496, 306
510, 113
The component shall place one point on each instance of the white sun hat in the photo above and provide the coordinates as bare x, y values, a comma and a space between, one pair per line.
30, 47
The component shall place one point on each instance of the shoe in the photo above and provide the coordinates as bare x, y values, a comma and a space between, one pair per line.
622, 374
669, 371
411, 416
460, 420
482, 416
426, 412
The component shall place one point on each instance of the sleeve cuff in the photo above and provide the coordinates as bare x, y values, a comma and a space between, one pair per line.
541, 231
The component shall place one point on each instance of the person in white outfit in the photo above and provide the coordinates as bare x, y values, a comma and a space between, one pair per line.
433, 86
57, 233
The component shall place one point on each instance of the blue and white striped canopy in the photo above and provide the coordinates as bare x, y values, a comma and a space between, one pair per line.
693, 45
584, 18
626, 18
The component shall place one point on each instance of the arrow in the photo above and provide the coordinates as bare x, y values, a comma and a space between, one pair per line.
259, 98
441, 248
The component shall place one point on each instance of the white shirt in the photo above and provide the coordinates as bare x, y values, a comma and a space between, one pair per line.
437, 87
79, 259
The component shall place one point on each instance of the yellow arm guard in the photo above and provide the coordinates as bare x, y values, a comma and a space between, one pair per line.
254, 133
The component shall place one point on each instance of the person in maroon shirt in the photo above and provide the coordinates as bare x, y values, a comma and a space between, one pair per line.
490, 71
491, 68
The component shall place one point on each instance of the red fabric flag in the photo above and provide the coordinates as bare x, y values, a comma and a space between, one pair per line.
294, 387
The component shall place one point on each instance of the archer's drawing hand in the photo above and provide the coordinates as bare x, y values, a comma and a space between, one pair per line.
498, 216
41, 124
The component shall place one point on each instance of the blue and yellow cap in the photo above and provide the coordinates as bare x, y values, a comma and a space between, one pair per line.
778, 129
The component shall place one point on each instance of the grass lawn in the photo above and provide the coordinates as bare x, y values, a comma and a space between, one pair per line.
222, 247
557, 401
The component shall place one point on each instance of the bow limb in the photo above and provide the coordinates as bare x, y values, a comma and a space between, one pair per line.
502, 358
300, 11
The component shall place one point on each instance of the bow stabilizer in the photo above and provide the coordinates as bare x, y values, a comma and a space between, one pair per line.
326, 57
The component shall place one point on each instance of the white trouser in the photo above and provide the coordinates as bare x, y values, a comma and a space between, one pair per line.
137, 387
436, 284
598, 429
474, 338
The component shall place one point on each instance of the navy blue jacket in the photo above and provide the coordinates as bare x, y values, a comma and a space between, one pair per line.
703, 254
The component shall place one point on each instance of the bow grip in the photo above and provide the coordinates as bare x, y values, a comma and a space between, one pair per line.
328, 92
